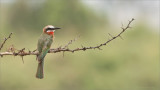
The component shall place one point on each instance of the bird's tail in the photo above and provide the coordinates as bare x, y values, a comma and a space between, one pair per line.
39, 73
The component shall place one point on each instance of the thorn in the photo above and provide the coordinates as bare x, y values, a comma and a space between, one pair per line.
122, 28
60, 46
129, 27
29, 51
108, 38
110, 35
82, 46
122, 24
36, 57
1, 55
63, 54
22, 59
34, 50
121, 37
99, 48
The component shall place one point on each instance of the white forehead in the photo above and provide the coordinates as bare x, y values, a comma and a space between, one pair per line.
50, 26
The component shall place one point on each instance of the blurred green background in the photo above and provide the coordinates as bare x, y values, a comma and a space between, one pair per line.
129, 64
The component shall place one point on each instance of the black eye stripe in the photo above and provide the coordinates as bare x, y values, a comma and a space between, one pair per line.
49, 29
52, 28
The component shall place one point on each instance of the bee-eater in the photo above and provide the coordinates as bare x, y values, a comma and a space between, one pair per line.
43, 46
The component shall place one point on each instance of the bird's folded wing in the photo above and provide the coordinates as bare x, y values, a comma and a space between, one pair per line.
45, 50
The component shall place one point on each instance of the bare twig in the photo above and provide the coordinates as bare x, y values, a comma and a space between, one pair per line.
71, 41
65, 48
5, 41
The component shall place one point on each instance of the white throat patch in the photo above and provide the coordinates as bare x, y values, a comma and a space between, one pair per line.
50, 30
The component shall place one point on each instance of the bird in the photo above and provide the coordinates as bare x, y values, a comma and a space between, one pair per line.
43, 46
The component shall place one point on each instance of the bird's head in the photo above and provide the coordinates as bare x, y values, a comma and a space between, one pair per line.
49, 29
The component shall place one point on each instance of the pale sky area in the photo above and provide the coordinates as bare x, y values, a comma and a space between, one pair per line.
122, 10
118, 11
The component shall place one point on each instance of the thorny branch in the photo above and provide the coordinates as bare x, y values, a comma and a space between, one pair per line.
22, 52
5, 41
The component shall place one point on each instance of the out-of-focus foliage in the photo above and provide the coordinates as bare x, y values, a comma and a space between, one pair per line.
129, 64
64, 13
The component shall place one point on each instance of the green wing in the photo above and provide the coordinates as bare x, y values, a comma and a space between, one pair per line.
43, 47
43, 53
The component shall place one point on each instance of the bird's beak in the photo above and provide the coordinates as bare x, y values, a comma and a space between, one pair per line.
55, 28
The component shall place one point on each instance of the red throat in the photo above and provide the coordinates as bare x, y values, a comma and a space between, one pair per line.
50, 33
